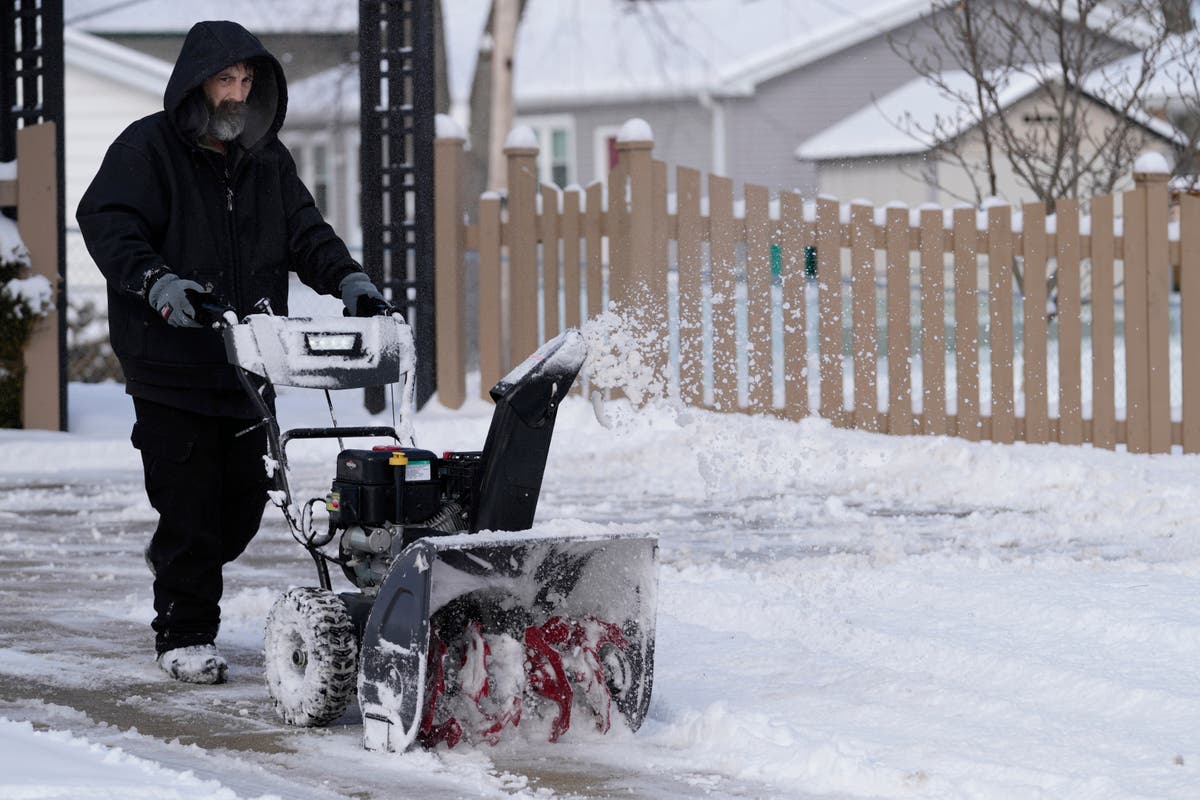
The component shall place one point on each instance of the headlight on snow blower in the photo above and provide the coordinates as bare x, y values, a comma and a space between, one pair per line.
333, 344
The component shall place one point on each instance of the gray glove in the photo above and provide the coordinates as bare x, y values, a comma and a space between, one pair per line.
169, 297
362, 298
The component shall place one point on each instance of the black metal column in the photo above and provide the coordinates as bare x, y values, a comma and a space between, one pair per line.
396, 69
31, 91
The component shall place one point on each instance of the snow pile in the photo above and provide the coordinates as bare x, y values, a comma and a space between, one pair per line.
30, 295
54, 765
12, 249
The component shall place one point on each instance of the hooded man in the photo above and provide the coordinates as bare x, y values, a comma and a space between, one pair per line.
194, 205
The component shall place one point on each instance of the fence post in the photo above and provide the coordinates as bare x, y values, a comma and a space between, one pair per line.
1158, 298
521, 150
1147, 291
37, 209
634, 145
449, 266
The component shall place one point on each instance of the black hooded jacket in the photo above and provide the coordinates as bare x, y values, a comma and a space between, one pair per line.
238, 223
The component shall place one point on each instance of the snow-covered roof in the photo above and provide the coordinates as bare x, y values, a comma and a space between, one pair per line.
918, 116
114, 62
338, 87
172, 16
608, 50
1173, 83
573, 51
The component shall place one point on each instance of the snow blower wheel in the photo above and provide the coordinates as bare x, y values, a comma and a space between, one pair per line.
311, 657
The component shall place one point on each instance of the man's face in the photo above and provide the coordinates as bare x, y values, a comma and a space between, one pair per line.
226, 93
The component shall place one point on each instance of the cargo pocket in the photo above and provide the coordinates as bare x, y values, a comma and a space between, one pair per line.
170, 446
165, 455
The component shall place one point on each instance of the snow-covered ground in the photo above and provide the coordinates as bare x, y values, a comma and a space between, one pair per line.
841, 614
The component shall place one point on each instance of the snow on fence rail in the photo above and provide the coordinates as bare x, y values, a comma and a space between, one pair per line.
696, 266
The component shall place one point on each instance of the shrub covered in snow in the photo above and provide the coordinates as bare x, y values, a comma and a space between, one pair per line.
23, 300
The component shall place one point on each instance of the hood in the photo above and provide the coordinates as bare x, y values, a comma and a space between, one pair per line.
208, 49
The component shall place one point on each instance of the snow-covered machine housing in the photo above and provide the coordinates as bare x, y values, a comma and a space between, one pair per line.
462, 623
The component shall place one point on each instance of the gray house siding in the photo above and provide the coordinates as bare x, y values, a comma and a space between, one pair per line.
682, 131
765, 129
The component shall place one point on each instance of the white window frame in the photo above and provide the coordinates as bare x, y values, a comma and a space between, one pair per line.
305, 142
600, 136
543, 125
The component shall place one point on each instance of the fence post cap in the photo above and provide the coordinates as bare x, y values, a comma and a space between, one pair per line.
446, 127
1151, 166
635, 133
521, 140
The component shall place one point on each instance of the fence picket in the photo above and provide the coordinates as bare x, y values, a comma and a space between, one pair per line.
594, 249
829, 309
1189, 313
758, 299
550, 266
1137, 386
572, 292
724, 293
966, 324
933, 322
864, 327
691, 293
657, 271
1000, 316
795, 282
1104, 418
899, 329
617, 230
492, 364
1037, 389
1070, 402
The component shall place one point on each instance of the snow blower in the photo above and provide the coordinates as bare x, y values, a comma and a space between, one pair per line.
462, 623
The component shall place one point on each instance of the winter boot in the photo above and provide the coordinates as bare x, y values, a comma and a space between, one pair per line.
196, 664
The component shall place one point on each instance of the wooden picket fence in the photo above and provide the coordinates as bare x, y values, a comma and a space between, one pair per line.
952, 261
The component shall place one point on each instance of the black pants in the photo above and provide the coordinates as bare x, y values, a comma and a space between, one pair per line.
209, 486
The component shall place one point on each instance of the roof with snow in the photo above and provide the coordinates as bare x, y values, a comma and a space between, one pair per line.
918, 116
581, 51
172, 16
606, 50
116, 63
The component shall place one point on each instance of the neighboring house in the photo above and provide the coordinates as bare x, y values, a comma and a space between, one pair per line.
889, 149
307, 36
106, 87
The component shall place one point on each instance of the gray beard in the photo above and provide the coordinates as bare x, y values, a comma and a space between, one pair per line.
227, 121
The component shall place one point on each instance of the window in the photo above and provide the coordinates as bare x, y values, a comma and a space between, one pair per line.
320, 177
556, 147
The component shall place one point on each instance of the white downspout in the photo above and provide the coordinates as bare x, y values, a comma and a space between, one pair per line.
714, 106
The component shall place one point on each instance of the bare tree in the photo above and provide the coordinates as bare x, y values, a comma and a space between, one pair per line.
1094, 63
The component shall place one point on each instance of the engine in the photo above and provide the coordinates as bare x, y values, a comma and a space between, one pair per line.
384, 498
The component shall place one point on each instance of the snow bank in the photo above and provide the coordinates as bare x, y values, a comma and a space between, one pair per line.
49, 765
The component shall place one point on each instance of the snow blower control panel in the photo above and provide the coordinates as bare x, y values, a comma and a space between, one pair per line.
385, 485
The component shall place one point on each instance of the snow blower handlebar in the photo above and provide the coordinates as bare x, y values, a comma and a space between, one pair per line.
320, 353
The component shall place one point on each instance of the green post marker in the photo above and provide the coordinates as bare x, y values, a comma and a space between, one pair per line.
810, 261
776, 260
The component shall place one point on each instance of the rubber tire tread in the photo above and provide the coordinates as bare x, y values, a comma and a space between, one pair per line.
320, 619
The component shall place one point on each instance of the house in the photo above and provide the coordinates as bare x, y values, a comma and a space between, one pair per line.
891, 149
105, 87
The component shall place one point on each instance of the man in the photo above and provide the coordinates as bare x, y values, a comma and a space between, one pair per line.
199, 205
